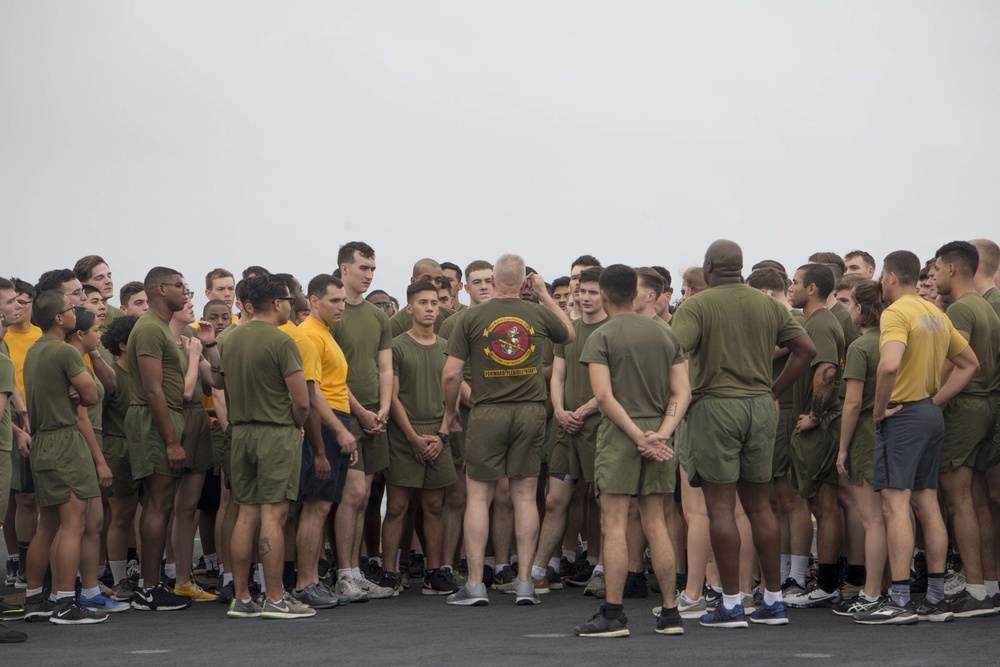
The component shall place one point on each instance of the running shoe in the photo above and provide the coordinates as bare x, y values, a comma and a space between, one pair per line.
348, 587
8, 636
635, 585
226, 594
668, 622
392, 581
416, 565
68, 612
857, 604
934, 613
773, 614
374, 591
37, 607
954, 583
316, 596
470, 596
11, 572
21, 583
553, 579
199, 567
133, 571
964, 605
286, 608
158, 598
525, 592
194, 592
579, 573
791, 587
11, 612
601, 626
371, 569
814, 596
101, 602
748, 601
888, 613
453, 576
596, 585
438, 582
689, 608
724, 618
240, 609
503, 580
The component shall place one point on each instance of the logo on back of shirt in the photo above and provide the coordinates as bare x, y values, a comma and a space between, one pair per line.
509, 341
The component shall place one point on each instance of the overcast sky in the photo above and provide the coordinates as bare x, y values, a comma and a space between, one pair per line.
201, 134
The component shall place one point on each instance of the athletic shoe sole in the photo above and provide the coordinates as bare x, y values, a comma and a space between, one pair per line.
769, 621
274, 616
896, 620
975, 613
674, 630
610, 634
725, 624
473, 602
431, 591
527, 601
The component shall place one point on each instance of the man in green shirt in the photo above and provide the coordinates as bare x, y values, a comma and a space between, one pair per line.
154, 425
93, 270
502, 339
735, 398
428, 270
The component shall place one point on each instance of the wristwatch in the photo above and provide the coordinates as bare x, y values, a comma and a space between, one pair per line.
443, 436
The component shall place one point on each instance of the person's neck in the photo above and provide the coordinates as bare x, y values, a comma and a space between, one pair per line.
646, 311
313, 315
831, 300
270, 317
982, 284
56, 331
78, 347
960, 288
353, 298
422, 333
161, 310
616, 310
812, 306
21, 327
595, 317
503, 293
894, 295
866, 329
176, 327
122, 361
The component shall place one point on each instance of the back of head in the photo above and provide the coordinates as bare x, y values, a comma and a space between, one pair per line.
648, 279
849, 281
508, 271
667, 280
904, 264
84, 266
819, 275
54, 280
346, 253
84, 321
770, 264
118, 333
989, 256
962, 254
618, 282
254, 270
48, 304
694, 278
263, 290
868, 295
832, 260
768, 279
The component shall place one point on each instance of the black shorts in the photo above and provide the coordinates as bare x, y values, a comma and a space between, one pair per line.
331, 490
908, 447
211, 493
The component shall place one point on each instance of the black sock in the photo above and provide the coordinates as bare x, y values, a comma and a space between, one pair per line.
681, 581
133, 554
827, 577
612, 611
22, 555
288, 572
856, 575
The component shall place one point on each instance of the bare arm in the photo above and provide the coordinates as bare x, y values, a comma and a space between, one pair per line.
600, 381
802, 353
891, 355
680, 398
849, 421
966, 366
569, 421
219, 405
193, 348
451, 380
299, 391
537, 284
86, 429
85, 387
384, 361
151, 372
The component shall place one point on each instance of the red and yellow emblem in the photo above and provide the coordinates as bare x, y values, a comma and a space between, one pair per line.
509, 341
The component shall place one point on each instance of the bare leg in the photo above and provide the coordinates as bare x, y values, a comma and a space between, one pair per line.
186, 499
158, 501
523, 494
309, 540
614, 517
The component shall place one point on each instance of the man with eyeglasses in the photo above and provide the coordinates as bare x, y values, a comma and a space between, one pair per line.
381, 299
154, 425
429, 270
93, 270
65, 281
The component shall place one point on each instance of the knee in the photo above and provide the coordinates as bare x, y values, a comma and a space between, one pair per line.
455, 500
432, 505
395, 509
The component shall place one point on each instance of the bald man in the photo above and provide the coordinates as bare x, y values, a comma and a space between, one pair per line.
431, 271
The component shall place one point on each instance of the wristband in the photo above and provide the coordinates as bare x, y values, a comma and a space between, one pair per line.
212, 344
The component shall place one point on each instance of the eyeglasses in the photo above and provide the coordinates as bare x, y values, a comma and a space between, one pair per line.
67, 310
289, 299
178, 285
189, 294
384, 306
76, 292
23, 303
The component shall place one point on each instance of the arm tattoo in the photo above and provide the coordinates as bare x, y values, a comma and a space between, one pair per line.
672, 409
264, 547
824, 386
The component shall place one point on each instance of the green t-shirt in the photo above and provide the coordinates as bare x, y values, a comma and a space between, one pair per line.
402, 321
862, 364
992, 296
7, 418
730, 332
639, 354
258, 357
447, 329
973, 315
828, 337
112, 315
502, 342
48, 368
151, 337
659, 320
363, 332
419, 368
577, 389
116, 404
778, 365
843, 316
96, 411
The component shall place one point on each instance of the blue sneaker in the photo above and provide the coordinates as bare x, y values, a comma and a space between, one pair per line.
102, 603
724, 618
770, 615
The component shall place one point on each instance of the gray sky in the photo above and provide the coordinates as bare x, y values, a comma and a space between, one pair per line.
203, 134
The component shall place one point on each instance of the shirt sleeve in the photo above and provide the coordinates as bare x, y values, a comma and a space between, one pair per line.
686, 326
309, 353
397, 358
856, 366
595, 351
458, 344
956, 343
289, 358
147, 341
790, 328
385, 339
893, 327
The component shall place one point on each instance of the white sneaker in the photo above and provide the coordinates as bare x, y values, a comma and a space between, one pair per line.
954, 583
348, 587
814, 596
374, 591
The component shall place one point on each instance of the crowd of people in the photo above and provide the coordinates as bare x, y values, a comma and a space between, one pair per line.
587, 432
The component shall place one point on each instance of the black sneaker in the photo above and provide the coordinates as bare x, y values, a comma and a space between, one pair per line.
437, 582
11, 572
855, 605
371, 569
712, 598
8, 636
488, 574
635, 585
579, 574
503, 578
888, 613
107, 578
226, 593
669, 622
11, 612
553, 579
602, 626
416, 565
392, 580
963, 605
199, 567
68, 612
37, 607
158, 598
935, 613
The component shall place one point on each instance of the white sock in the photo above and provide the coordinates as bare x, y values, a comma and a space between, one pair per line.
62, 595
731, 601
356, 572
537, 572
598, 568
227, 578
799, 568
770, 598
446, 568
554, 563
717, 589
592, 560
344, 574
978, 591
142, 583
501, 566
786, 566
33, 591
170, 569
90, 592
583, 545
260, 574
570, 556
119, 569
992, 588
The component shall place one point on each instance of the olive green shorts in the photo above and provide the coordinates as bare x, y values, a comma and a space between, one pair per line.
989, 455
6, 471
404, 468
62, 466
266, 460
782, 442
551, 426
220, 448
729, 439
115, 449
968, 427
558, 458
373, 450
583, 448
505, 440
197, 439
813, 456
861, 457
146, 449
620, 469
457, 439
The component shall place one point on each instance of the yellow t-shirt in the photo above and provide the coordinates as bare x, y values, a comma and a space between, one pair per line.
930, 339
321, 351
19, 342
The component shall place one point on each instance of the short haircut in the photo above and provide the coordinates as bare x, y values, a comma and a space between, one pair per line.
989, 256
394, 301
263, 290
618, 283
667, 279
562, 281
420, 286
904, 264
157, 275
962, 254
118, 333
23, 287
770, 264
84, 266
129, 290
374, 292
90, 289
289, 280
54, 280
6, 284
48, 304
509, 270
422, 263
84, 320
648, 278
212, 304
868, 295
451, 266
215, 274
832, 260
254, 271
923, 275
865, 257
591, 275
586, 260
695, 278
849, 281
477, 265
319, 285
820, 275
241, 291
346, 253
768, 279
